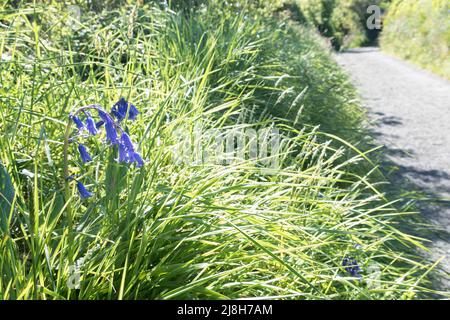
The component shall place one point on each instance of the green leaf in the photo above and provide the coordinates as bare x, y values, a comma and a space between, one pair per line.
6, 198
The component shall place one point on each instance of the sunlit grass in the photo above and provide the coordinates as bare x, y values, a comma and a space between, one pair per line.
180, 230
424, 30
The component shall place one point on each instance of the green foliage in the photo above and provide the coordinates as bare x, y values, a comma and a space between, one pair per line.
190, 230
6, 198
419, 31
343, 21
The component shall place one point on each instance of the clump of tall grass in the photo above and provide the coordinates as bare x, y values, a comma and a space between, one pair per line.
419, 31
170, 229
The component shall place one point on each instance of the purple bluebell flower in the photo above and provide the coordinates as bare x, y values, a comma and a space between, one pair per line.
127, 152
99, 124
138, 159
84, 193
124, 156
345, 261
132, 112
104, 116
111, 133
70, 178
85, 156
127, 142
352, 267
90, 125
120, 109
77, 122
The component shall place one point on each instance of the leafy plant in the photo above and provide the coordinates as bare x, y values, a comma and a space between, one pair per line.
419, 31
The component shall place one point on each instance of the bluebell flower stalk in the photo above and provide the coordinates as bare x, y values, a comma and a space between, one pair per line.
115, 135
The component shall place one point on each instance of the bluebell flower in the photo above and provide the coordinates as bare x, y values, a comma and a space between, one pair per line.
85, 156
133, 112
91, 126
127, 142
84, 193
104, 116
99, 124
124, 156
120, 109
352, 267
126, 148
138, 159
77, 122
111, 133
127, 152
70, 178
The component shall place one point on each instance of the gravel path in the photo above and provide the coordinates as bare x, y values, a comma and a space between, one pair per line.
410, 113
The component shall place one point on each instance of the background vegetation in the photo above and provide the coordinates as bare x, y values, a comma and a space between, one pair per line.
419, 31
189, 230
343, 22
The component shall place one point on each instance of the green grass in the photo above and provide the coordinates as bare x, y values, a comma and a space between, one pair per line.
419, 31
186, 231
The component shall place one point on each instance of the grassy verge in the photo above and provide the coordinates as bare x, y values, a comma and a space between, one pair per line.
419, 31
189, 229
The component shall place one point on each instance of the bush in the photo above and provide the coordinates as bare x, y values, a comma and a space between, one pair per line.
419, 31
343, 21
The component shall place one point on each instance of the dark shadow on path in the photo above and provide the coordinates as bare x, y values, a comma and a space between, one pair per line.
425, 191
